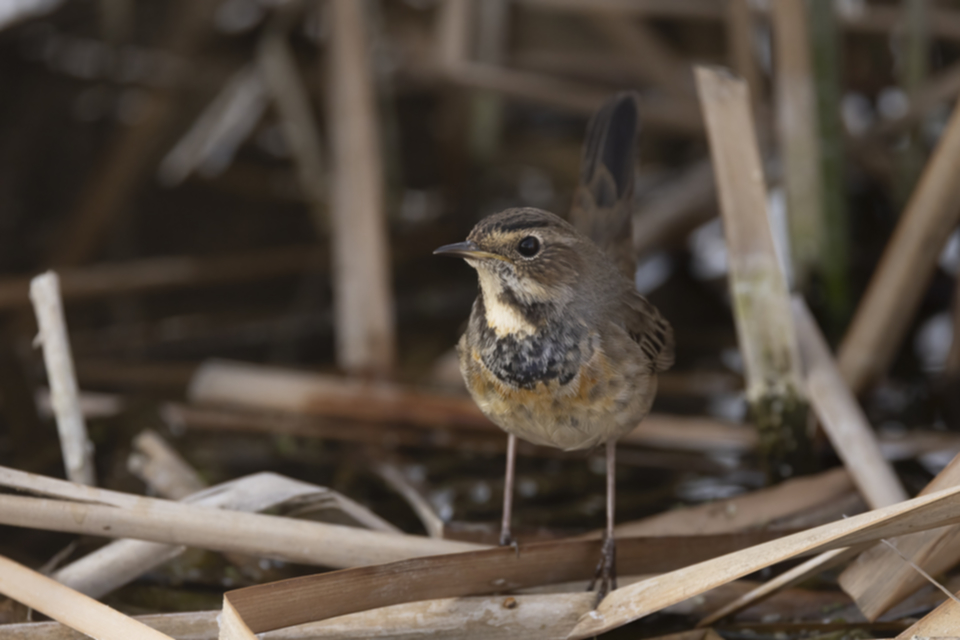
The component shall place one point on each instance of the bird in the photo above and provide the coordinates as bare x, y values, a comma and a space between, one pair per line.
560, 349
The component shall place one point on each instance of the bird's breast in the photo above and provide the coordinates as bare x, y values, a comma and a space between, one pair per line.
594, 406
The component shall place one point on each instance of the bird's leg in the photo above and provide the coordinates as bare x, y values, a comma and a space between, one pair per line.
505, 538
606, 572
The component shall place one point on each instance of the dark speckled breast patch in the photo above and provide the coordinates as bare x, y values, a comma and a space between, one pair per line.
554, 352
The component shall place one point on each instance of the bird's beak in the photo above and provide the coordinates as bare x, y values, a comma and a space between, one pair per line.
466, 249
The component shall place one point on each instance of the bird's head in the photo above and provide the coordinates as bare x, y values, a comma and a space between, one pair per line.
526, 257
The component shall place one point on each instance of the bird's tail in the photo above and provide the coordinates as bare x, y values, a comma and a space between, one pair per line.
603, 205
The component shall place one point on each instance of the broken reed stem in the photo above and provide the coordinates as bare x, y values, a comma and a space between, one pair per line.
905, 269
842, 418
942, 622
162, 468
758, 289
936, 551
64, 396
801, 572
798, 136
363, 301
70, 607
826, 59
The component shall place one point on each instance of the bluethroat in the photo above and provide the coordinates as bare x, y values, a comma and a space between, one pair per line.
560, 349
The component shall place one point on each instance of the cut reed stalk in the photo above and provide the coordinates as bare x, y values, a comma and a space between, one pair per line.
363, 302
64, 395
758, 289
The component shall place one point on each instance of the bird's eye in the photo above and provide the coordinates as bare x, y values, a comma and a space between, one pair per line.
529, 246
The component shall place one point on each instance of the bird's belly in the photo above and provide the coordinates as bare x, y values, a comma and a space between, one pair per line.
602, 403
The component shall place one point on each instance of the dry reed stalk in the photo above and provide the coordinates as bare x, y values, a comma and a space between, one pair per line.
749, 511
162, 468
698, 383
842, 418
251, 386
152, 274
363, 302
93, 404
636, 601
691, 433
122, 561
221, 127
855, 443
196, 625
70, 607
76, 446
798, 136
81, 509
279, 604
758, 289
908, 262
741, 36
939, 624
479, 618
278, 69
934, 551
429, 618
654, 432
393, 476
544, 617
671, 211
801, 572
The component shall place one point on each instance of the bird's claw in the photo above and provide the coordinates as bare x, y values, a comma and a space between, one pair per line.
506, 540
606, 572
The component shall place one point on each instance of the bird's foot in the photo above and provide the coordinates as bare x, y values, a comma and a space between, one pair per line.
506, 540
606, 573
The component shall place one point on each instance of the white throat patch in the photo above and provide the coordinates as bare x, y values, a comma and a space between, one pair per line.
502, 318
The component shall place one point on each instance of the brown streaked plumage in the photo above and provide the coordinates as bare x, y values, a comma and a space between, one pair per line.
560, 349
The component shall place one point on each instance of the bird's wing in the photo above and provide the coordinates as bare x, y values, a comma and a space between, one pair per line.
648, 329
